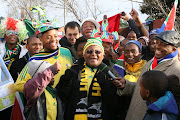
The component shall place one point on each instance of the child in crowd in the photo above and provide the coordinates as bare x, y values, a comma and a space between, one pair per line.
160, 102
174, 87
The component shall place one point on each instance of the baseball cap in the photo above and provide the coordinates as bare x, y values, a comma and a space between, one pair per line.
155, 31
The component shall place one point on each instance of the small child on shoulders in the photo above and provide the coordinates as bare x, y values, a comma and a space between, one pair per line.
160, 102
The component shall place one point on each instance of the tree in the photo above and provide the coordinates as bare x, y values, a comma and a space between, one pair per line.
21, 8
80, 9
160, 9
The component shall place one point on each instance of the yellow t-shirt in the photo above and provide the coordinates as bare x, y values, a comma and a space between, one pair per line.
52, 106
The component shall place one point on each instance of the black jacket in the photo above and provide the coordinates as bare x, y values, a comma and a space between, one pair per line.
65, 43
18, 65
68, 90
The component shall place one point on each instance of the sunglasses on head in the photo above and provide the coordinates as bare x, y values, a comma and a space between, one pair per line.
91, 51
10, 32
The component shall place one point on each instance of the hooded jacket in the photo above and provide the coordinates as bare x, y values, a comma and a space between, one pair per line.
165, 108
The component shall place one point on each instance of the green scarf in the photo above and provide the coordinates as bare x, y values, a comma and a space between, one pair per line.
9, 56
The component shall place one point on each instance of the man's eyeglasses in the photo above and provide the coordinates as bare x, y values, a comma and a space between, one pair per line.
10, 32
91, 51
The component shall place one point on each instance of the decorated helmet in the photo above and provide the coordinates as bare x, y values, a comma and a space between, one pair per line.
40, 27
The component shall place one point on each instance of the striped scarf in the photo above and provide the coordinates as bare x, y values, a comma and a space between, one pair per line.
44, 55
89, 105
156, 62
9, 56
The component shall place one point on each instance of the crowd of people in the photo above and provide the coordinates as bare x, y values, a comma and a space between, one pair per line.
60, 79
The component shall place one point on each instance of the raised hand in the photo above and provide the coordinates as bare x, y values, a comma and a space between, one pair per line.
125, 17
57, 66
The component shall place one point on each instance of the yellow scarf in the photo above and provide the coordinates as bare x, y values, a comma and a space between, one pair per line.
133, 71
87, 76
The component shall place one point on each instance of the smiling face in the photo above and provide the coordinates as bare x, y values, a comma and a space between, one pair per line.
72, 35
163, 49
87, 29
131, 53
93, 56
34, 45
50, 40
11, 36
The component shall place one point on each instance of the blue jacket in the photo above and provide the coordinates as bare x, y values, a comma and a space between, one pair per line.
165, 106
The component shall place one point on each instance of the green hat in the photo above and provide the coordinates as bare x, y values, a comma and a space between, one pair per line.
93, 41
45, 24
29, 27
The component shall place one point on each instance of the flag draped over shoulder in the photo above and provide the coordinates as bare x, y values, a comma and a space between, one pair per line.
169, 22
18, 108
113, 22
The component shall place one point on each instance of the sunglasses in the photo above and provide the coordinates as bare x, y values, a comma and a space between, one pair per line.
91, 51
10, 32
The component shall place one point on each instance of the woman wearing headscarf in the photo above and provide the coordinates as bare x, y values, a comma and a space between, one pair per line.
86, 90
134, 64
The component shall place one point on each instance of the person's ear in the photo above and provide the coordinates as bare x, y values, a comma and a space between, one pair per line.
41, 39
174, 48
103, 55
147, 93
27, 47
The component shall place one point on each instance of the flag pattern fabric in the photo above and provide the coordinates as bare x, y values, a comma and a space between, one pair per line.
149, 20
18, 108
116, 47
113, 22
119, 65
169, 22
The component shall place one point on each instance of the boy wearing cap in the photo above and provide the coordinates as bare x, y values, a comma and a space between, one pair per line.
165, 59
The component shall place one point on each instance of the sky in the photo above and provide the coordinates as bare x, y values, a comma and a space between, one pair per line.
108, 7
